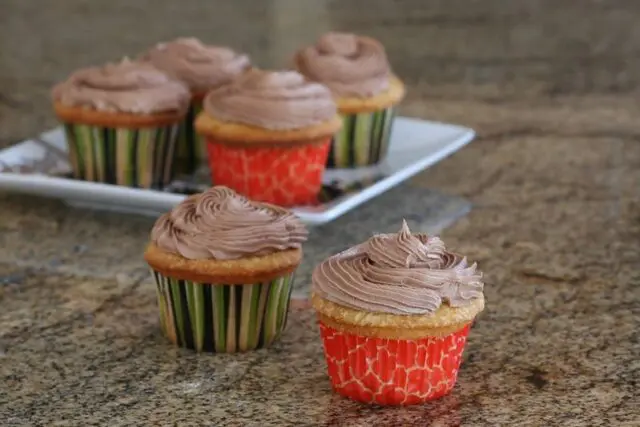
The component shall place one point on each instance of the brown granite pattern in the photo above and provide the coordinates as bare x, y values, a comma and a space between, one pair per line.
550, 86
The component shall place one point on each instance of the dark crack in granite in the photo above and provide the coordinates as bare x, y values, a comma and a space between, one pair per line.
554, 176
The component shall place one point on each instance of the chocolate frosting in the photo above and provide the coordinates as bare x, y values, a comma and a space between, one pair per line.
350, 65
127, 87
399, 273
277, 100
199, 66
221, 224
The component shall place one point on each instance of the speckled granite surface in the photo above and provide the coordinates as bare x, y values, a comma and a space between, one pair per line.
551, 87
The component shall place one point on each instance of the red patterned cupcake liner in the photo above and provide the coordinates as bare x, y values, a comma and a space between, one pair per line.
285, 176
391, 371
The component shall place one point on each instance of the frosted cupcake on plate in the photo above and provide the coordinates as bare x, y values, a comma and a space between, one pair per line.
394, 316
224, 267
202, 68
358, 73
121, 121
268, 135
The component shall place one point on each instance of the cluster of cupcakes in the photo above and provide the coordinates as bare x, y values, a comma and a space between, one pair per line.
268, 135
394, 312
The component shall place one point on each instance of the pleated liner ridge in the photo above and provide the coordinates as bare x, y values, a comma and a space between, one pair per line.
363, 139
130, 157
392, 371
191, 150
223, 318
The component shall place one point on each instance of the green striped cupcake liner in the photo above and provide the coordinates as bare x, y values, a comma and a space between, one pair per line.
363, 139
122, 156
191, 148
222, 318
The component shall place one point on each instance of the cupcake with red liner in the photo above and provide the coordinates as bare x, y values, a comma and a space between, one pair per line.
224, 267
202, 68
357, 71
268, 136
394, 316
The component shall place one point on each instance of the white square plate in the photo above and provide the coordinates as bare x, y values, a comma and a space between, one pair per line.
40, 167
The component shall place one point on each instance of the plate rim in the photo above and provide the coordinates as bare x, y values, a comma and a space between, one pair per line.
158, 201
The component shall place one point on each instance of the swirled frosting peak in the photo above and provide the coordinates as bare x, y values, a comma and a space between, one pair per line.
200, 66
220, 224
127, 87
277, 100
399, 273
350, 65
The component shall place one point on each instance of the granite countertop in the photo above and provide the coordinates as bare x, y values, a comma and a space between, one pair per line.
554, 178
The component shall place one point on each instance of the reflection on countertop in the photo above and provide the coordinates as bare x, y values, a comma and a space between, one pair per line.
554, 175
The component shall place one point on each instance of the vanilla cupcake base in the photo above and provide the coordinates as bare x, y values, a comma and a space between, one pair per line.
366, 130
223, 318
392, 372
389, 359
120, 148
363, 139
282, 167
394, 326
129, 157
223, 306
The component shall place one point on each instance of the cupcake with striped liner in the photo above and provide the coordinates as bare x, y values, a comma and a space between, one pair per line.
394, 316
358, 73
121, 121
268, 135
202, 68
224, 267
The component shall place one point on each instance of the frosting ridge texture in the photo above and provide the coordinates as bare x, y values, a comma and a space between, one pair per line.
127, 87
277, 100
223, 225
399, 273
350, 65
200, 66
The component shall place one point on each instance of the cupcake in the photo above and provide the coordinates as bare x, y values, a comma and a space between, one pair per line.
394, 316
268, 135
202, 68
121, 122
223, 267
358, 73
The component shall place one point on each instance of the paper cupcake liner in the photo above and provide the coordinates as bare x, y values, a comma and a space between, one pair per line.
285, 176
130, 157
191, 152
391, 371
363, 139
222, 318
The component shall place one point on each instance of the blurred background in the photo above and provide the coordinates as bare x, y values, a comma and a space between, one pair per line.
489, 51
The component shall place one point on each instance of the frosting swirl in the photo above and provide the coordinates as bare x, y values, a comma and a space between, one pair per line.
271, 100
349, 65
220, 224
399, 273
199, 66
127, 86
